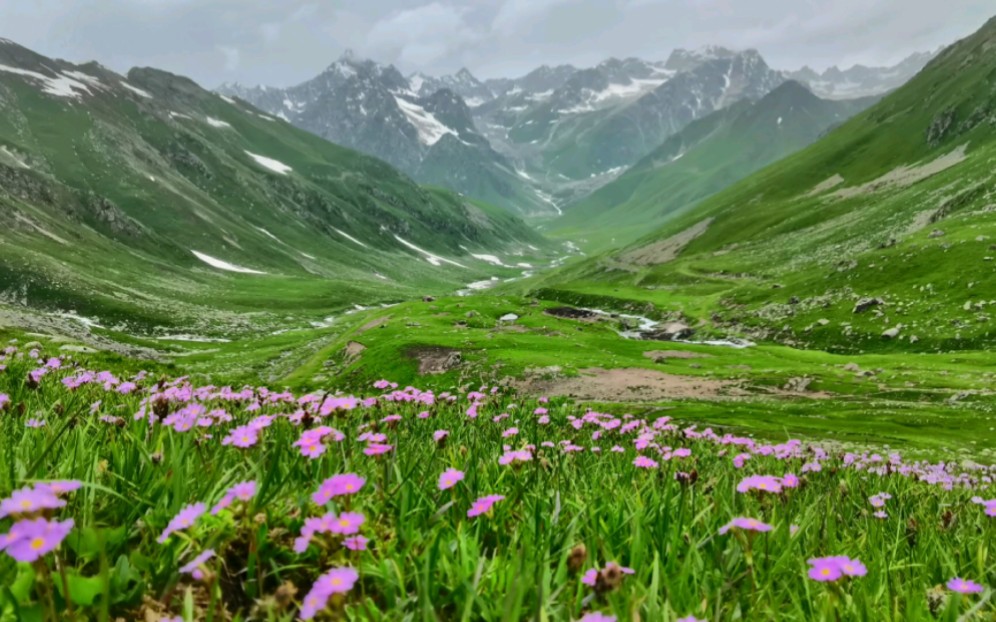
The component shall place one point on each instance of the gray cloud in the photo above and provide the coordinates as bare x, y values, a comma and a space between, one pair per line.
282, 43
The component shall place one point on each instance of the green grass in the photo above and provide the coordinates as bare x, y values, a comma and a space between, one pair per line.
782, 259
119, 189
703, 158
777, 264
427, 559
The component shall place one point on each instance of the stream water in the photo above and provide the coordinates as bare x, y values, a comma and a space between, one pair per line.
647, 326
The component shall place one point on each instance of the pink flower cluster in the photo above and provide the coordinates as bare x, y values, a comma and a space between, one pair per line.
243, 491
34, 534
345, 524
826, 569
338, 486
335, 581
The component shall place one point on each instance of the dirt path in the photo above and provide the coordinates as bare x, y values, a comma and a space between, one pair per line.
632, 385
663, 355
372, 324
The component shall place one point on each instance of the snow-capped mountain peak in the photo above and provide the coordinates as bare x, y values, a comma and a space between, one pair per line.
456, 130
861, 80
463, 83
686, 60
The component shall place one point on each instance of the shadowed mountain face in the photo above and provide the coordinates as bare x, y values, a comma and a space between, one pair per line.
376, 110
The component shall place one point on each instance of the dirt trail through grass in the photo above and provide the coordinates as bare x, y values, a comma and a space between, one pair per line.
632, 385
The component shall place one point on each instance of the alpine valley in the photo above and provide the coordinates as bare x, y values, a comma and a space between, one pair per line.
683, 339
535, 144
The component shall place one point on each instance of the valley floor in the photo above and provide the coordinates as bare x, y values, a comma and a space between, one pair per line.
938, 403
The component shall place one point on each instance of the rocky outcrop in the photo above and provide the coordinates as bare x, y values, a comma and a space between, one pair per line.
865, 304
672, 331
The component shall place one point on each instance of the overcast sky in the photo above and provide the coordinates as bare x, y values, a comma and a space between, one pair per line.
284, 42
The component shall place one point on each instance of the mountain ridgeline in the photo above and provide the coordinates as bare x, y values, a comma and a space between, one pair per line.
145, 196
135, 196
878, 236
703, 158
535, 144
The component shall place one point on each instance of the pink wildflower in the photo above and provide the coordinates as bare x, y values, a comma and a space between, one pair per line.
183, 520
337, 486
449, 478
964, 586
484, 505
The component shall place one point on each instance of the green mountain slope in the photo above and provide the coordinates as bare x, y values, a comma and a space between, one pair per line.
150, 198
897, 205
705, 157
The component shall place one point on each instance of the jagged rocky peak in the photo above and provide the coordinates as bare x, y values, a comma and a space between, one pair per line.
464, 75
686, 60
861, 80
545, 78
463, 83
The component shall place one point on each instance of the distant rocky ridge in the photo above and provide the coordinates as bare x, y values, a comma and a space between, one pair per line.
859, 80
535, 143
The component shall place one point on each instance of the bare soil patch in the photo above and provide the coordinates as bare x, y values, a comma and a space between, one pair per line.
632, 385
663, 251
435, 360
827, 184
513, 328
659, 356
353, 351
372, 324
904, 176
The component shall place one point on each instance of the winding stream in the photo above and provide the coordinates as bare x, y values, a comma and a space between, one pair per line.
647, 326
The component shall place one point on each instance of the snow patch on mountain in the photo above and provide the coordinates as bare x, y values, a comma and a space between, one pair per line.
478, 286
61, 85
18, 162
611, 172
274, 165
217, 122
429, 128
269, 235
546, 198
616, 93
416, 82
40, 229
541, 97
350, 238
433, 259
491, 259
342, 68
220, 264
136, 90
84, 77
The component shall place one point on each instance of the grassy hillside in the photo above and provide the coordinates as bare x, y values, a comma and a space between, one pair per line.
705, 157
896, 205
111, 186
